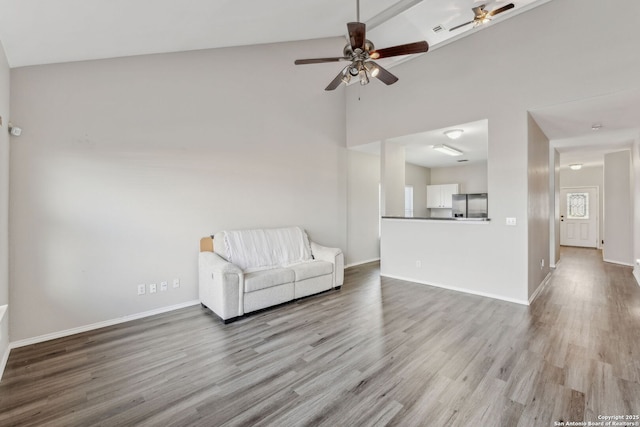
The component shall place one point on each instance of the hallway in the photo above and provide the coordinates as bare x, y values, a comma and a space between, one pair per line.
588, 324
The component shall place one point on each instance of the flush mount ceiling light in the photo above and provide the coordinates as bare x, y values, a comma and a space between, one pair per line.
447, 150
596, 126
454, 133
576, 166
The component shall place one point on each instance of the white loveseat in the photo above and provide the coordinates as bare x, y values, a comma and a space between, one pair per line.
242, 271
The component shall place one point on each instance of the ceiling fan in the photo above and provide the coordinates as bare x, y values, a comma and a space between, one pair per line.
482, 16
360, 53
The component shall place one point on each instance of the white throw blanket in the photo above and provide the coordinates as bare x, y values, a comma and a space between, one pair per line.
266, 248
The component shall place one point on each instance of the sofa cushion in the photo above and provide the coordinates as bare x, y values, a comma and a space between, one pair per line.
306, 270
263, 248
263, 279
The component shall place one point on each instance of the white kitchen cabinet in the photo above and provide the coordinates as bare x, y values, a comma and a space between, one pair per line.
439, 196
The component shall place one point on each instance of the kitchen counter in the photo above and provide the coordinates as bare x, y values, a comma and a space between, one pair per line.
456, 254
426, 218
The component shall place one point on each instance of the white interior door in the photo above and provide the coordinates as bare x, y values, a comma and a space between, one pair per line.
579, 217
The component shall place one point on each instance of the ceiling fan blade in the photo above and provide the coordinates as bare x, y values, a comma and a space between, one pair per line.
403, 49
319, 60
501, 9
460, 26
384, 76
336, 82
356, 34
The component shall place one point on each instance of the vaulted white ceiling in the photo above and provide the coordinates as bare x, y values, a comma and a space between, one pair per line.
50, 31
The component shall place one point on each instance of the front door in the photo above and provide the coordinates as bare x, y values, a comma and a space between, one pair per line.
579, 217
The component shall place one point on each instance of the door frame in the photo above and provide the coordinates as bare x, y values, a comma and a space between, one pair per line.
597, 208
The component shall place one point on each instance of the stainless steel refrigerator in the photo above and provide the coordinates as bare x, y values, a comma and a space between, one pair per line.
470, 205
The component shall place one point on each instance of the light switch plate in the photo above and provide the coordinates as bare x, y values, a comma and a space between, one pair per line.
511, 221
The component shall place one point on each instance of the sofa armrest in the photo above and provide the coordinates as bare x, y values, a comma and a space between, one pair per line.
220, 286
335, 257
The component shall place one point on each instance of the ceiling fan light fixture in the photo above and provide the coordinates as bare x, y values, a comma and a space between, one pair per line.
576, 166
364, 78
447, 150
372, 68
359, 50
454, 133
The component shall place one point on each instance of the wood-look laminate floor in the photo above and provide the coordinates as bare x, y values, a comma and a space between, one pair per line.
378, 352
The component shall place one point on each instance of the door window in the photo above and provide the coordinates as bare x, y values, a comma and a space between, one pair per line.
577, 205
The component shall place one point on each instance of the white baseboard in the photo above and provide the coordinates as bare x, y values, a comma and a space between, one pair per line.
544, 283
361, 262
465, 290
111, 322
617, 262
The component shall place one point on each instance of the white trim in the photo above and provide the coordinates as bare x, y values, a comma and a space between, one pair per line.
111, 322
636, 274
544, 283
361, 262
5, 359
617, 262
454, 288
5, 356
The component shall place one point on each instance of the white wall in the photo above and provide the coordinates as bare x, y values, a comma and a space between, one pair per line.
472, 178
636, 207
363, 206
124, 164
539, 211
618, 208
4, 207
588, 176
419, 177
525, 68
444, 254
554, 203
392, 167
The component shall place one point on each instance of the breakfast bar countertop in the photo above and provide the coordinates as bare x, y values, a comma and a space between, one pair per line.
423, 218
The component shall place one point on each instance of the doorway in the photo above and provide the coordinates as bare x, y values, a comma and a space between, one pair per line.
579, 216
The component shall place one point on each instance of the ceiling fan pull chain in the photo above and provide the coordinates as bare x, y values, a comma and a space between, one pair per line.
357, 10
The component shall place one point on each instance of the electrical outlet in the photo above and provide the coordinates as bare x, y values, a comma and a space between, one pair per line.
511, 221
141, 289
163, 286
152, 288
176, 283
541, 263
